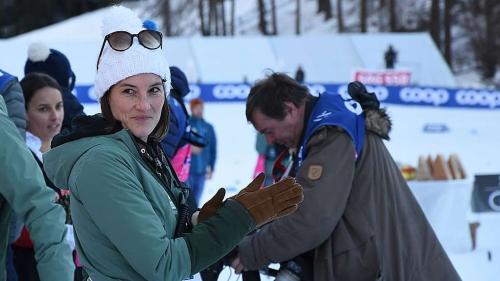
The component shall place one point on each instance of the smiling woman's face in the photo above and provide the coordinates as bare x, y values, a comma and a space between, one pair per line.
45, 113
137, 102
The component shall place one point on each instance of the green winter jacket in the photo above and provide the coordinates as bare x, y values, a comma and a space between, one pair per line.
124, 218
23, 189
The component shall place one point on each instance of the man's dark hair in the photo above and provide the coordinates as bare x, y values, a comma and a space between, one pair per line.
270, 94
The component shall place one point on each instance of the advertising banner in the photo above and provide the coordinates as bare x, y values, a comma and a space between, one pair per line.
407, 95
383, 77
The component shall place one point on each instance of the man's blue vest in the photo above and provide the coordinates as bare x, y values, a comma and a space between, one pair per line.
335, 110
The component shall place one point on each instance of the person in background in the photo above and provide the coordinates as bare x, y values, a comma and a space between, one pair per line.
390, 57
44, 111
202, 158
127, 204
23, 190
267, 155
359, 219
300, 75
12, 93
175, 144
56, 64
44, 116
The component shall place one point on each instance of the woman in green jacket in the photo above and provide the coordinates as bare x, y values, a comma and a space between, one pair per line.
127, 204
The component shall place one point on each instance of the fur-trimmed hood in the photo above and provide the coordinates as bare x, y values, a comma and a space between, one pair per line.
378, 122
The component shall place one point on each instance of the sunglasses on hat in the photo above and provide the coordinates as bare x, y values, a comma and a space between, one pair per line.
123, 40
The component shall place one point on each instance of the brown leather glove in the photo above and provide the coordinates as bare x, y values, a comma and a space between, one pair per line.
211, 206
274, 201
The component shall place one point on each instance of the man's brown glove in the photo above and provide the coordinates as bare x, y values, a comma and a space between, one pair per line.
274, 201
211, 206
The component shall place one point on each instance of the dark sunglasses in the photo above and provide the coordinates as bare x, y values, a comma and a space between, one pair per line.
123, 40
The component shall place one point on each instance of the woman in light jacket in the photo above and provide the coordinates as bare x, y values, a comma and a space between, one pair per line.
44, 115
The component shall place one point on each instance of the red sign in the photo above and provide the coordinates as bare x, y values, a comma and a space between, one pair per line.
383, 77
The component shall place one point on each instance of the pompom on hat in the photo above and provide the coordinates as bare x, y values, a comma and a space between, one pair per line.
114, 66
51, 62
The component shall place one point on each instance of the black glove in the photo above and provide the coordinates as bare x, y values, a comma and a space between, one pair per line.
359, 93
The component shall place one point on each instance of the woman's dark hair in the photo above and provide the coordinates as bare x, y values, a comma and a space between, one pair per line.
270, 94
35, 81
159, 131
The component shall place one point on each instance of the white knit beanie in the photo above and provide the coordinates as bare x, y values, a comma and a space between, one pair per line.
115, 66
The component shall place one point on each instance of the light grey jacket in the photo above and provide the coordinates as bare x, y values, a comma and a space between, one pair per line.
12, 94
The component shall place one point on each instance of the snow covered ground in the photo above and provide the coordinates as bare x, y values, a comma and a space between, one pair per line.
472, 133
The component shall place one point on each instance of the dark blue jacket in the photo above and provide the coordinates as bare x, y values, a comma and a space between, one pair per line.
176, 128
178, 123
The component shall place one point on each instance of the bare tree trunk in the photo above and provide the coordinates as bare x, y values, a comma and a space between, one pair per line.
212, 18
321, 6
273, 14
434, 28
167, 17
262, 17
201, 13
392, 15
233, 12
381, 4
216, 17
340, 17
448, 5
223, 16
325, 6
491, 53
297, 18
362, 15
328, 9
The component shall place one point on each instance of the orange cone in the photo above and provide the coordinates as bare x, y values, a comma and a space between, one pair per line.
441, 170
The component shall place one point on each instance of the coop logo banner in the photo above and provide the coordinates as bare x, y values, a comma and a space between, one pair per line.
231, 92
477, 98
219, 92
422, 96
427, 96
